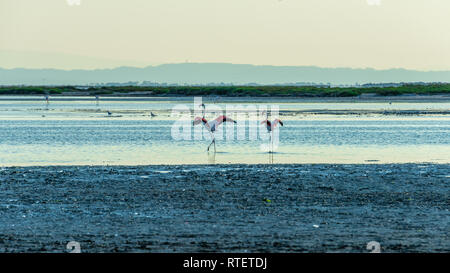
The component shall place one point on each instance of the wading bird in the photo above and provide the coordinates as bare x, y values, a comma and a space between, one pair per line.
270, 126
211, 126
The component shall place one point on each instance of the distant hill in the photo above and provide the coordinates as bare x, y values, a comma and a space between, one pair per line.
205, 73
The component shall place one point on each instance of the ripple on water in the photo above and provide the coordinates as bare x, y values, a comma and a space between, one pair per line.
162, 172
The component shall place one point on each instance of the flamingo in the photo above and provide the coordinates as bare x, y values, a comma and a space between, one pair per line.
270, 126
211, 126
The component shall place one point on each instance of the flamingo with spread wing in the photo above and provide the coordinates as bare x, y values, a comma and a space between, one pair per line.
212, 125
270, 126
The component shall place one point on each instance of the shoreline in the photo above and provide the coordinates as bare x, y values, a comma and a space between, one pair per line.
370, 97
217, 165
237, 91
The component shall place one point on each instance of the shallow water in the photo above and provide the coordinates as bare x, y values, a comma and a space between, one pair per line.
77, 131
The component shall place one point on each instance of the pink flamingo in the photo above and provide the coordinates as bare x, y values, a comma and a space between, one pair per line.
270, 126
212, 125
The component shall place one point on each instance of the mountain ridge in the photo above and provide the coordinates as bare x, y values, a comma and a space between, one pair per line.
207, 73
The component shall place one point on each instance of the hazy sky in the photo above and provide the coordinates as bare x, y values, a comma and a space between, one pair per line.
413, 34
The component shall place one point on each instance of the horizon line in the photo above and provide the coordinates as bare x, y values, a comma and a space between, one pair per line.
224, 63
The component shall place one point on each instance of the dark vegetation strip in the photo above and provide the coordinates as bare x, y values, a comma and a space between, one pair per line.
232, 91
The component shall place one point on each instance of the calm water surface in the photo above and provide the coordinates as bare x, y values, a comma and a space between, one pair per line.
77, 131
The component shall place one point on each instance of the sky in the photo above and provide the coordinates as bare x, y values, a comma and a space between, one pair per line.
92, 34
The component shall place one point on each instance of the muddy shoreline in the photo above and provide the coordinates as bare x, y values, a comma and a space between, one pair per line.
226, 208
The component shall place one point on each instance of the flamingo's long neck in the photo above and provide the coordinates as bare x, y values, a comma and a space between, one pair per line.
205, 123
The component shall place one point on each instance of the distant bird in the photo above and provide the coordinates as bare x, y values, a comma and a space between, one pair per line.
46, 98
109, 113
211, 126
152, 115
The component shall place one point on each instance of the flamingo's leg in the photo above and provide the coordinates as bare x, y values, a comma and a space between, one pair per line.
209, 146
270, 142
212, 141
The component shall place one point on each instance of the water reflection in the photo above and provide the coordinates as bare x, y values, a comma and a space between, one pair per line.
271, 157
211, 157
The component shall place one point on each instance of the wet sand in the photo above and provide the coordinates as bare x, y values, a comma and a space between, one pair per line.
226, 208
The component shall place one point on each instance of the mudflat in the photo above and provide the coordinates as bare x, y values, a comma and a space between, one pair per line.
226, 208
